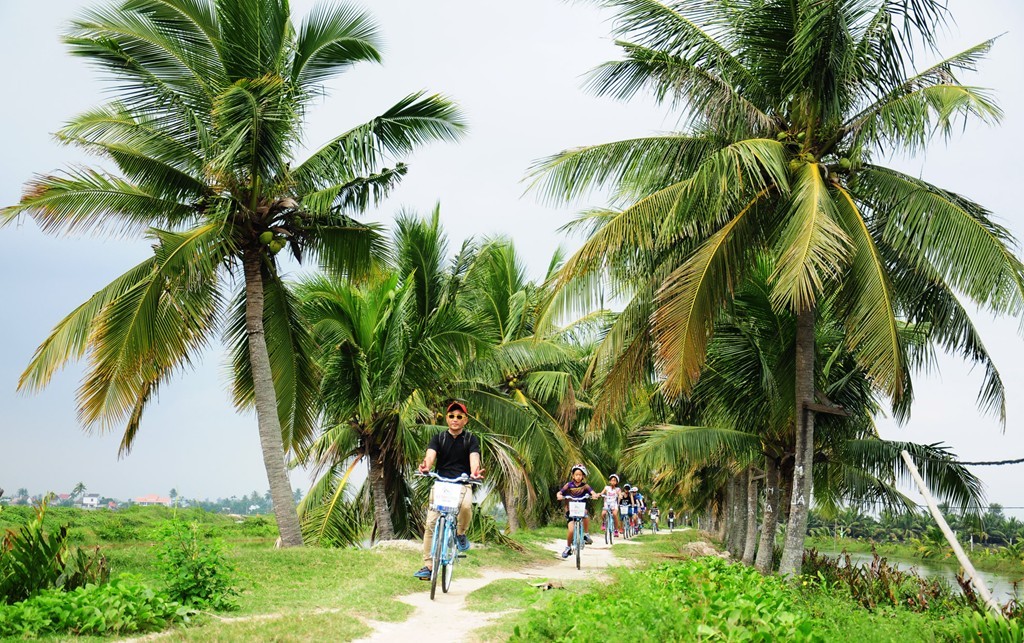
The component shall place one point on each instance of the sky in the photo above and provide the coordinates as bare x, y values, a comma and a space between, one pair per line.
517, 71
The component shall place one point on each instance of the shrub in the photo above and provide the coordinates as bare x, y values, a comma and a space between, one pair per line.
32, 560
194, 567
878, 583
988, 628
704, 598
121, 606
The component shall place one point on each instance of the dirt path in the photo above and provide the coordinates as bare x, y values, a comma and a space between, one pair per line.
447, 619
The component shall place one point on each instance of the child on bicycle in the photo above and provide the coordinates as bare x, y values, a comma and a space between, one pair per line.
612, 494
655, 515
671, 518
576, 489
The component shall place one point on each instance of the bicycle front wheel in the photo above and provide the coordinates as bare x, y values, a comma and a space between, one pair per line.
448, 565
436, 554
579, 541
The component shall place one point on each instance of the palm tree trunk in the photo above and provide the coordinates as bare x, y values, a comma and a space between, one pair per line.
770, 521
750, 541
508, 498
796, 530
737, 515
267, 419
378, 489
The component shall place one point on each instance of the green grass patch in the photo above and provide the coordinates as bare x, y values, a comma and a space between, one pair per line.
704, 598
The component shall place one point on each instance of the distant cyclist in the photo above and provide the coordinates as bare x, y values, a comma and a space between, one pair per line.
671, 518
640, 505
655, 514
577, 489
612, 494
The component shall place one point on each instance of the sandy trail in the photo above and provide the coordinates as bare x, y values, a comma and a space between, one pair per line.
447, 619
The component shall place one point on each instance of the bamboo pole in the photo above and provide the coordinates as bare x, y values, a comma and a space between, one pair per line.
965, 562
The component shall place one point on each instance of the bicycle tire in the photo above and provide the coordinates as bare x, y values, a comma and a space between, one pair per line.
436, 555
579, 541
448, 564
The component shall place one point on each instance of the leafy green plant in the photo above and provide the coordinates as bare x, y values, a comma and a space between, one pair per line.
194, 567
708, 598
31, 560
877, 583
989, 628
121, 606
484, 529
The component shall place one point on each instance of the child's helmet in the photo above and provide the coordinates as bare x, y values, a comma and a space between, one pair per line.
581, 468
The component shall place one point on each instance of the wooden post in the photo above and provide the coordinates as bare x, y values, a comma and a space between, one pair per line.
951, 538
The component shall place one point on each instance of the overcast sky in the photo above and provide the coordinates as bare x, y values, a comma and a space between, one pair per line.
516, 69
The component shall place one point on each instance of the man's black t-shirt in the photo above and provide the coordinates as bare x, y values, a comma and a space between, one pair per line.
453, 453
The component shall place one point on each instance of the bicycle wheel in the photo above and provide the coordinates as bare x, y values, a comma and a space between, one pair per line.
448, 562
436, 554
579, 541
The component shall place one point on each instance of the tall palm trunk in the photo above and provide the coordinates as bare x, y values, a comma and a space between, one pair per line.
508, 498
796, 530
271, 441
770, 521
750, 539
737, 514
378, 489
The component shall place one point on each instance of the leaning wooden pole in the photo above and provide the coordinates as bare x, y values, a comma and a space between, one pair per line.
965, 562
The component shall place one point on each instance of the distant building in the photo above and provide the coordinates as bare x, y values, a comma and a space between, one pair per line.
91, 501
152, 501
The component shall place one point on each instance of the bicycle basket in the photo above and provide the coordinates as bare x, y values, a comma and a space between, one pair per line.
577, 509
623, 510
447, 496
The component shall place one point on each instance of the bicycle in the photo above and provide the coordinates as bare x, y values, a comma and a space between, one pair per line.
609, 525
444, 552
577, 512
671, 525
626, 526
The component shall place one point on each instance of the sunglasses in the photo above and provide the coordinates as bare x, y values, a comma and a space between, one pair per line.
455, 416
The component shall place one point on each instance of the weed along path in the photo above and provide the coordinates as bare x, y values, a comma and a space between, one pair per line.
447, 618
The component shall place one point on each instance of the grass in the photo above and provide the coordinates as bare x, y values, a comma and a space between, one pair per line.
328, 594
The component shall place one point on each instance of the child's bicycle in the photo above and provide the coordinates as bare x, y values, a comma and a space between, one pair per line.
609, 525
671, 525
444, 552
577, 512
627, 522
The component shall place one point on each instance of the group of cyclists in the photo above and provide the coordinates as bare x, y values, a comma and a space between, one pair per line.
620, 503
456, 454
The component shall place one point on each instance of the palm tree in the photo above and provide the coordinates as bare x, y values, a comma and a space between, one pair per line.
786, 103
77, 491
744, 401
539, 368
208, 112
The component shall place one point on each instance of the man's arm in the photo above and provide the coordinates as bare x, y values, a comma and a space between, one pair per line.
428, 461
477, 471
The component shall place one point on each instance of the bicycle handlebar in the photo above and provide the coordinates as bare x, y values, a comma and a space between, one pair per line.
463, 479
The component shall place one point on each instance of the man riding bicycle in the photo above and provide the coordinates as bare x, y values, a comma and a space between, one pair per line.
456, 452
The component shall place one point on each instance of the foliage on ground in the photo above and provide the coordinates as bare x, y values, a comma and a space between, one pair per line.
122, 606
136, 524
879, 583
194, 568
33, 559
707, 598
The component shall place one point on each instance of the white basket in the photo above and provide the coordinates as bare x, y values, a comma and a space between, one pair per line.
623, 510
447, 496
577, 509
